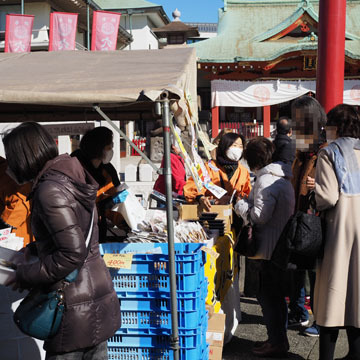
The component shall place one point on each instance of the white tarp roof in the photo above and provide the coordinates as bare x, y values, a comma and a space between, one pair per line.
81, 78
271, 92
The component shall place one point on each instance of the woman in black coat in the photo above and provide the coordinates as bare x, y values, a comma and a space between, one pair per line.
63, 200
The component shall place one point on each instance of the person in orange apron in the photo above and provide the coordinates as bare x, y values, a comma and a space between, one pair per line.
226, 171
14, 206
95, 154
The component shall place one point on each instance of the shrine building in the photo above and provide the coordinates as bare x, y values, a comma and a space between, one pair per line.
263, 57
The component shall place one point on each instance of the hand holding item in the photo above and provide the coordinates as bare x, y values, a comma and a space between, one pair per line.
310, 183
120, 197
242, 208
204, 203
225, 200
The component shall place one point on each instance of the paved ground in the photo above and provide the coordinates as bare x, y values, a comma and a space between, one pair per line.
251, 329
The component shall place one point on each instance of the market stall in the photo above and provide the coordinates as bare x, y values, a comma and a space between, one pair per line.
59, 86
78, 86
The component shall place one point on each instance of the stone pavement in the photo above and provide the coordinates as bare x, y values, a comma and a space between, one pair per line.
251, 329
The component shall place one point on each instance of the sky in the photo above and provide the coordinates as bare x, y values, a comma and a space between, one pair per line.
192, 10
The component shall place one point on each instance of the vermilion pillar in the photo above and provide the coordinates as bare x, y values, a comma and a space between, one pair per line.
214, 121
331, 53
266, 119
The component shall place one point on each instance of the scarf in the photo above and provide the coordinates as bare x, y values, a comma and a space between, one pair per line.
228, 165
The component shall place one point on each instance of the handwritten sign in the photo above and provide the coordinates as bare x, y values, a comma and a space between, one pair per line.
211, 252
118, 261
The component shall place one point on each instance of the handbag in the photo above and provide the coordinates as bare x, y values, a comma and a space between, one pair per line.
247, 243
39, 315
305, 234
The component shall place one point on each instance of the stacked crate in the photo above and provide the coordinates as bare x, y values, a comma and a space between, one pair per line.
144, 297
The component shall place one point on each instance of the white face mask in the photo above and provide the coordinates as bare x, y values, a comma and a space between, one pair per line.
234, 153
108, 156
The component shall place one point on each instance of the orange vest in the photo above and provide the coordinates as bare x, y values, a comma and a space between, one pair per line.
240, 182
109, 190
14, 208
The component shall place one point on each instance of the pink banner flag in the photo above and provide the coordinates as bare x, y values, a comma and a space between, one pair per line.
105, 30
18, 33
62, 31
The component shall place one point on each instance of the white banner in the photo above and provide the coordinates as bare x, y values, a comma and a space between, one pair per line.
263, 93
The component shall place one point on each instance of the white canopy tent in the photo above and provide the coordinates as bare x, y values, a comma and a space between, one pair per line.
76, 85
264, 93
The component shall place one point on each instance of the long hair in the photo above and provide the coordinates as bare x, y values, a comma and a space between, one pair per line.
28, 147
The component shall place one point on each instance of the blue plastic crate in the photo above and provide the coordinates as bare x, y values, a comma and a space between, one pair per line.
144, 320
154, 282
159, 338
150, 272
141, 353
160, 301
205, 352
188, 257
160, 319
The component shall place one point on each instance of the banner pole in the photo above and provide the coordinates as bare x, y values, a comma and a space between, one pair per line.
87, 25
22, 7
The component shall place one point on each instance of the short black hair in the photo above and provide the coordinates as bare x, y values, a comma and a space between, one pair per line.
28, 147
311, 112
259, 152
346, 119
283, 125
94, 141
226, 141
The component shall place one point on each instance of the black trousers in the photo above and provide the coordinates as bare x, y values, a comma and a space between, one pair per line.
328, 338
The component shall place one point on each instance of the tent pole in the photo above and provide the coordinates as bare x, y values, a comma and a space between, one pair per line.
128, 140
174, 340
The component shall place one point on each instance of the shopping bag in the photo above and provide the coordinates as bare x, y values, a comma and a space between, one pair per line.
130, 208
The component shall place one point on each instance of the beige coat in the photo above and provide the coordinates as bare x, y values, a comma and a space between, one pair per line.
337, 288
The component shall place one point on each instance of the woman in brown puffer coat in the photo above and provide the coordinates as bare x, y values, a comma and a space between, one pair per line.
63, 200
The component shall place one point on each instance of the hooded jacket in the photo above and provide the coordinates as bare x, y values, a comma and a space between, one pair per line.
106, 177
269, 206
63, 201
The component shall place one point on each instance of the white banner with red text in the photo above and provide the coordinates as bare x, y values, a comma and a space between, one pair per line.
264, 93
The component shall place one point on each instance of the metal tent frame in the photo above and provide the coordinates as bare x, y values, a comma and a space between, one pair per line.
163, 109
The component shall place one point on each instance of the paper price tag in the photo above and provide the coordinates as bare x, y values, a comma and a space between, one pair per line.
211, 252
118, 261
5, 233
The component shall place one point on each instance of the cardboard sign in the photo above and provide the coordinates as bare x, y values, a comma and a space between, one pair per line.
211, 252
118, 261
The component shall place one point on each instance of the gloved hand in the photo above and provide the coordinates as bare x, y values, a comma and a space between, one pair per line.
120, 197
242, 209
